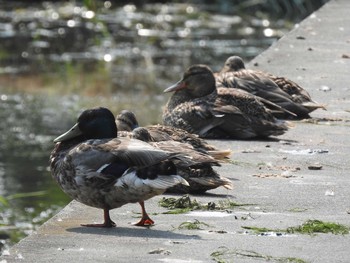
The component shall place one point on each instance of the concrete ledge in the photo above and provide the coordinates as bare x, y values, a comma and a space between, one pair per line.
272, 176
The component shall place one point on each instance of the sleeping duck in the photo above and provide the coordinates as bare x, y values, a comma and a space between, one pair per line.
126, 121
279, 90
198, 170
199, 107
96, 168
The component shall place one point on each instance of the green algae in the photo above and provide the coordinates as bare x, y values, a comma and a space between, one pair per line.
318, 226
310, 227
195, 225
185, 204
224, 254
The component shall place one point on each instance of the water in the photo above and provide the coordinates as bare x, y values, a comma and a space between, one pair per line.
59, 58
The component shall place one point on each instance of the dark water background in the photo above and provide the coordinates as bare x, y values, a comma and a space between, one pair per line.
57, 59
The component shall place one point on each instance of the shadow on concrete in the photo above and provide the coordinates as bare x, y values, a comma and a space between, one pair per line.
206, 194
131, 232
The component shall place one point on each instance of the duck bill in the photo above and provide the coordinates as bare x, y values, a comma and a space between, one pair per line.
70, 134
177, 86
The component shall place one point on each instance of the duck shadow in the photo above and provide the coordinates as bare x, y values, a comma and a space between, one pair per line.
146, 232
280, 140
206, 194
215, 195
257, 139
271, 139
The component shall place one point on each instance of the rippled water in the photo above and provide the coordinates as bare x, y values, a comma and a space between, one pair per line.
59, 58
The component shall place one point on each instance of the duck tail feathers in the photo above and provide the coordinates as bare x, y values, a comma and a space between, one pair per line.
222, 155
311, 106
214, 182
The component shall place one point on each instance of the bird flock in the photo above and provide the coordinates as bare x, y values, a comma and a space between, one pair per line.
106, 162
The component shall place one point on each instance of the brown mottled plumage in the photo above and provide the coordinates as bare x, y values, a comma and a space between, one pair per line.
127, 121
197, 170
97, 169
279, 90
197, 106
199, 173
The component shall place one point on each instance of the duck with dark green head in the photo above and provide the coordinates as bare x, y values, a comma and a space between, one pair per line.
96, 168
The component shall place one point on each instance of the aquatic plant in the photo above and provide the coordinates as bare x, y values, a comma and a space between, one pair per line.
310, 227
224, 254
185, 204
195, 225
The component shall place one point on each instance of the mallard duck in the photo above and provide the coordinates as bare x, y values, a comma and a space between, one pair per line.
197, 106
96, 168
126, 121
198, 170
279, 90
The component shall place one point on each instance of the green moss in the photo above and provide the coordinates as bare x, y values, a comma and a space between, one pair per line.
317, 226
185, 204
219, 254
229, 204
196, 225
224, 254
309, 227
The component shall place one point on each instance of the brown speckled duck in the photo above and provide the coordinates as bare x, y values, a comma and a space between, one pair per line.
126, 121
97, 169
279, 90
198, 171
197, 106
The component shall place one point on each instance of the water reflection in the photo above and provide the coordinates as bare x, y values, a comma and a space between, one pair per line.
59, 58
134, 40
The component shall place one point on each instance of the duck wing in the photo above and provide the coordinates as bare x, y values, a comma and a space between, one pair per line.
195, 116
121, 162
132, 152
269, 93
180, 135
256, 119
251, 82
192, 156
298, 94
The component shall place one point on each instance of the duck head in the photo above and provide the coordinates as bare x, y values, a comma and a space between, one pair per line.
141, 133
96, 123
198, 81
233, 63
126, 121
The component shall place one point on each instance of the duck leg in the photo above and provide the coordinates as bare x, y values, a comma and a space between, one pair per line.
145, 219
107, 221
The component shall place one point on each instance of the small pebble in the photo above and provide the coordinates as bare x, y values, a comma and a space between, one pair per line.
325, 88
160, 251
329, 193
314, 167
